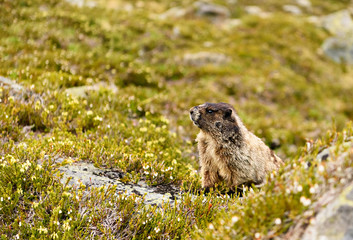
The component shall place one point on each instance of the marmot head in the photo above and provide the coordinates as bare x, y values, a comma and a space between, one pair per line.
217, 119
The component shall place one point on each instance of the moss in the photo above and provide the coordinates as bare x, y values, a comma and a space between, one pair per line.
283, 88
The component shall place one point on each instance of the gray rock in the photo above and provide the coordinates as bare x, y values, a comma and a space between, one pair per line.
326, 153
200, 59
8, 83
175, 12
323, 155
82, 3
314, 20
304, 3
292, 9
338, 23
19, 92
82, 91
85, 173
89, 175
335, 221
339, 49
230, 24
211, 10
256, 10
201, 9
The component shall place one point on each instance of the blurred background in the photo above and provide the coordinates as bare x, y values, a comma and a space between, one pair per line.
286, 66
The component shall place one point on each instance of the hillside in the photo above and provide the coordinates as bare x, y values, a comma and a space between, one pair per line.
110, 83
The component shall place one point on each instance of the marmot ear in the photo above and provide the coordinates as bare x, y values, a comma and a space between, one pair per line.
228, 114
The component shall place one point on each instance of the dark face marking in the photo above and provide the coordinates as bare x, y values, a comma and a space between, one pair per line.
205, 116
218, 119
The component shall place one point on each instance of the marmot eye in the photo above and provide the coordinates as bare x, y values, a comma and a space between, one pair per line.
209, 111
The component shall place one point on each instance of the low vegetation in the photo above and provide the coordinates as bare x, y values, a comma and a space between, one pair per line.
134, 116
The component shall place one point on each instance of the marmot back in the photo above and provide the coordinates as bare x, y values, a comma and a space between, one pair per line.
228, 151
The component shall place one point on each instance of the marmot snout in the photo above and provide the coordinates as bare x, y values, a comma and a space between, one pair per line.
228, 151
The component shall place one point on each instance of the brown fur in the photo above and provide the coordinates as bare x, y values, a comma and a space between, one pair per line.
228, 151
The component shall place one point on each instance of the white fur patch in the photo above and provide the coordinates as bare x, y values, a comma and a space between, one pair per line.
197, 115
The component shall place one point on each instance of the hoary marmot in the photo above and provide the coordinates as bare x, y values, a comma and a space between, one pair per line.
228, 150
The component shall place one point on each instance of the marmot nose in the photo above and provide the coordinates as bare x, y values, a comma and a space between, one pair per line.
192, 110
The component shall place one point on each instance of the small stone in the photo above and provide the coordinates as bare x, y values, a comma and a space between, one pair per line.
323, 155
255, 10
339, 49
211, 10
314, 20
82, 91
10, 83
82, 3
204, 58
27, 129
304, 3
229, 24
292, 9
208, 44
175, 12
214, 12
